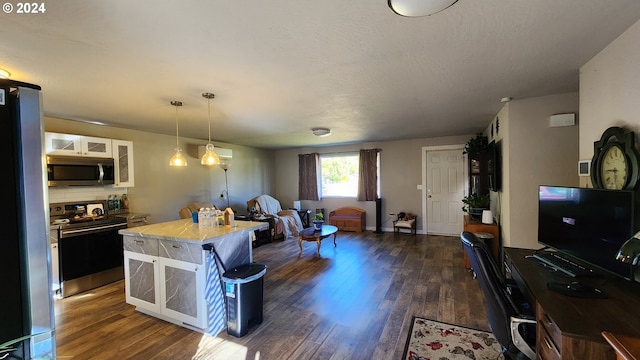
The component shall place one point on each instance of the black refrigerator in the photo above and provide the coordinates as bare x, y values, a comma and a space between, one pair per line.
26, 307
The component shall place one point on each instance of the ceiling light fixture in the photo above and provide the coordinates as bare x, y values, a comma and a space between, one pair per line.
506, 99
210, 158
321, 131
177, 159
415, 8
4, 74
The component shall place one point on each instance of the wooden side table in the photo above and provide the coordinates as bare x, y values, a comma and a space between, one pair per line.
475, 226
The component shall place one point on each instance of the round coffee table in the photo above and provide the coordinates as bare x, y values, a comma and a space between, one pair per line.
309, 234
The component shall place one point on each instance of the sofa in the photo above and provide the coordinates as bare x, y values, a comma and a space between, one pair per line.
348, 218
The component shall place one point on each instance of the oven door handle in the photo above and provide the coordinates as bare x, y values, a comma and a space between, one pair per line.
66, 233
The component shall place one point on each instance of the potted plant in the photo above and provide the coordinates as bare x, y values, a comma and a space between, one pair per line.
476, 145
318, 220
7, 347
475, 203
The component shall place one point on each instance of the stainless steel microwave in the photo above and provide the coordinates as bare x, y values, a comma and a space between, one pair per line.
75, 170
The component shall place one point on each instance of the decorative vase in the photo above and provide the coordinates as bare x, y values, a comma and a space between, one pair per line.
317, 225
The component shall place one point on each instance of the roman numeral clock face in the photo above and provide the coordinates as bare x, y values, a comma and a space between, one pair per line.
615, 163
614, 168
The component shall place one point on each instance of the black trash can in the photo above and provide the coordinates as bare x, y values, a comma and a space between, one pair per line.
243, 291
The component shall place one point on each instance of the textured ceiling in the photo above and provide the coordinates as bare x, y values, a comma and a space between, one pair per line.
279, 68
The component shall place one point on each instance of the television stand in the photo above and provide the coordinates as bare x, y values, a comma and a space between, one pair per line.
569, 328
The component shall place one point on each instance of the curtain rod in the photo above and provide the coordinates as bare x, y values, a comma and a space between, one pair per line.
342, 152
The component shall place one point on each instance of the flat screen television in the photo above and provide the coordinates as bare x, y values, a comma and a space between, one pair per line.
587, 224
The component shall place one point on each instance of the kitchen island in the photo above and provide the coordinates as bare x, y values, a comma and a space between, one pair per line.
168, 267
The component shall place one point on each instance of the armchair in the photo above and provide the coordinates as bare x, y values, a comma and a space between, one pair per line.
287, 223
185, 212
405, 221
510, 318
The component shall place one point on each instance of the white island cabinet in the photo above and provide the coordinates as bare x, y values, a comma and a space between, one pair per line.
166, 267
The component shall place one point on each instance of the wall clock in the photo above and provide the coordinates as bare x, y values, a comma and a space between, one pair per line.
615, 160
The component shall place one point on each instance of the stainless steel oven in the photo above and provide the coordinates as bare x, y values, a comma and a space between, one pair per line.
90, 249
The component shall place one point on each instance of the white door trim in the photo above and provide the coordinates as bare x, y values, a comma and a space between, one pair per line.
424, 178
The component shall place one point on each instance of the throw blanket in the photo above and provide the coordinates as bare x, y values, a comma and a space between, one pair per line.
291, 222
286, 221
268, 205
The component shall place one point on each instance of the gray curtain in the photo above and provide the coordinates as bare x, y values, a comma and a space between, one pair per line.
368, 176
308, 176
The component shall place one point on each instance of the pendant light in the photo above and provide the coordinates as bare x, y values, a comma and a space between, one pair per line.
4, 74
414, 8
210, 158
178, 159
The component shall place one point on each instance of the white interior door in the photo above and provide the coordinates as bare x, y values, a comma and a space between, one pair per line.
445, 190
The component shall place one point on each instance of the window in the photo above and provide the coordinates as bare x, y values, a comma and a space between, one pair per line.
339, 173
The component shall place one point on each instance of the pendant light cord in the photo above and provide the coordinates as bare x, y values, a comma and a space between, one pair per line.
209, 110
176, 103
177, 142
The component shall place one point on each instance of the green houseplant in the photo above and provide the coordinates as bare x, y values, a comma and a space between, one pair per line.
318, 220
476, 145
7, 347
474, 204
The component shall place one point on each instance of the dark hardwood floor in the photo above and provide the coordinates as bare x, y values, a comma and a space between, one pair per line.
355, 302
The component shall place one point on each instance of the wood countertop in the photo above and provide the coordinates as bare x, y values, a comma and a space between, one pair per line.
619, 313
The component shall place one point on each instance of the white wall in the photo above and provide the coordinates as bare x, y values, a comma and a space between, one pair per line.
610, 91
533, 154
538, 155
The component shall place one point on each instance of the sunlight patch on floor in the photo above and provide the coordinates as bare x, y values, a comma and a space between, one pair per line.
220, 349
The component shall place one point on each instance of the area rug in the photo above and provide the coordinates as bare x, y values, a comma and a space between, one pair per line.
432, 340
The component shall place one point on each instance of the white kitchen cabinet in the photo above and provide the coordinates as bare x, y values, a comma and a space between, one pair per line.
96, 147
123, 161
77, 145
142, 280
62, 144
182, 291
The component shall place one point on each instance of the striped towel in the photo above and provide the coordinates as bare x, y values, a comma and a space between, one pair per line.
213, 294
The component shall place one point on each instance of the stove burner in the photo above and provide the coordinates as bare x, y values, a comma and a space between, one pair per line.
86, 218
76, 216
89, 224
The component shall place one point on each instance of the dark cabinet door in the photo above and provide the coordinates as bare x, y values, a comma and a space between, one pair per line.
479, 173
89, 254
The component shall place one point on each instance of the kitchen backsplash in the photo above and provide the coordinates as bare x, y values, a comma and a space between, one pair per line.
81, 193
